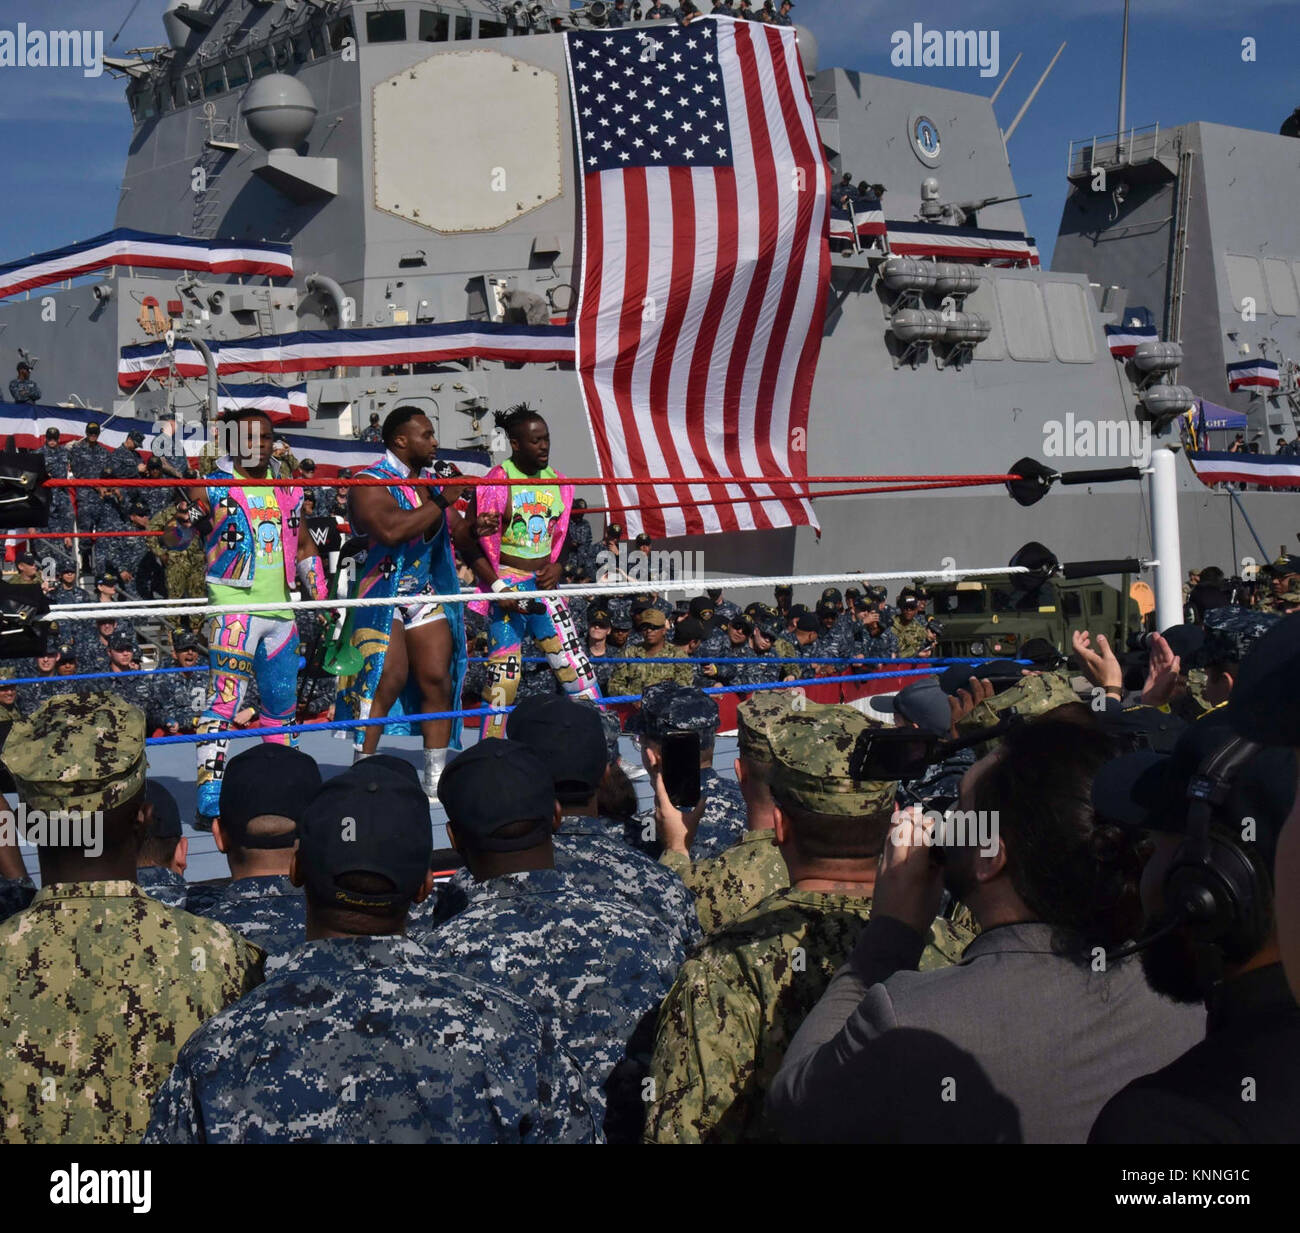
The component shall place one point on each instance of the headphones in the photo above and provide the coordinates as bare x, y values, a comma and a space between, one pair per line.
1221, 892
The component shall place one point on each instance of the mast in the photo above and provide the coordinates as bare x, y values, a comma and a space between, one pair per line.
1123, 76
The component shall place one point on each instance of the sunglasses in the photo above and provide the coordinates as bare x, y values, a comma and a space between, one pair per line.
646, 626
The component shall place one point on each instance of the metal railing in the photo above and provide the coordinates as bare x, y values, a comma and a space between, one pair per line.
1133, 145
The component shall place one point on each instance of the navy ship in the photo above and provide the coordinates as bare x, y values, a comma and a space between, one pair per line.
363, 136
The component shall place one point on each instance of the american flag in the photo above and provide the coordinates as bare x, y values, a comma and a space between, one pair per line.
706, 267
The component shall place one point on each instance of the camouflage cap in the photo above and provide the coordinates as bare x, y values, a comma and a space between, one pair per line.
669, 707
1231, 632
1290, 593
759, 715
78, 751
1031, 695
810, 764
7, 673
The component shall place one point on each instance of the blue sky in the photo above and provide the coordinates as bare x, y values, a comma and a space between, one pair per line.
63, 138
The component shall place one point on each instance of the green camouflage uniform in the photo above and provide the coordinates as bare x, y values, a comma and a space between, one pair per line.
100, 984
184, 567
637, 678
728, 885
738, 1001
1031, 695
910, 636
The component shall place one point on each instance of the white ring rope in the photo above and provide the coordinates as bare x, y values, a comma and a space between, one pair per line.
137, 608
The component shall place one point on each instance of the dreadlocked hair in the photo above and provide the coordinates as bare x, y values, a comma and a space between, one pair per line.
512, 419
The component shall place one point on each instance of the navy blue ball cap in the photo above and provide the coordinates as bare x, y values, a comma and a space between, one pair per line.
492, 785
1265, 702
568, 736
266, 780
669, 707
371, 820
166, 822
922, 703
1139, 727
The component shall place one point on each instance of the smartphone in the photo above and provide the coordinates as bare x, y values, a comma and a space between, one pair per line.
680, 752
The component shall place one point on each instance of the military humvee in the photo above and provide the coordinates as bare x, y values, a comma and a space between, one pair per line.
992, 617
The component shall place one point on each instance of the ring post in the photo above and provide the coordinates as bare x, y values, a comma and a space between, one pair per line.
1165, 540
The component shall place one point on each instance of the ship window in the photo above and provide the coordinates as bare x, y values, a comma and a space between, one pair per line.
491, 29
283, 54
178, 92
237, 72
386, 26
302, 47
214, 80
1070, 322
193, 91
261, 61
1244, 282
144, 105
434, 27
1024, 318
320, 45
1281, 290
341, 30
463, 28
984, 301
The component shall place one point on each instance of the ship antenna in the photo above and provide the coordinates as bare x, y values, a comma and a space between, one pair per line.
135, 5
1123, 75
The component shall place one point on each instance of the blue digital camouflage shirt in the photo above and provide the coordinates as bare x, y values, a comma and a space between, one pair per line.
368, 1039
164, 885
268, 910
595, 967
593, 852
724, 821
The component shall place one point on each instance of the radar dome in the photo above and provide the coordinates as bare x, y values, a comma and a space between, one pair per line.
807, 50
279, 111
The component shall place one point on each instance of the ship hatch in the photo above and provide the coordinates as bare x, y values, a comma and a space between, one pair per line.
466, 141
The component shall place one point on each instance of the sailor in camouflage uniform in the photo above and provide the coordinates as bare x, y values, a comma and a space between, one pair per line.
571, 738
90, 642
135, 687
164, 852
676, 708
9, 708
102, 984
909, 626
359, 1035
726, 886
45, 666
596, 967
88, 459
180, 549
373, 433
871, 637
738, 1001
599, 647
768, 649
729, 640
55, 457
638, 678
181, 696
264, 793
66, 590
1230, 632
22, 388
